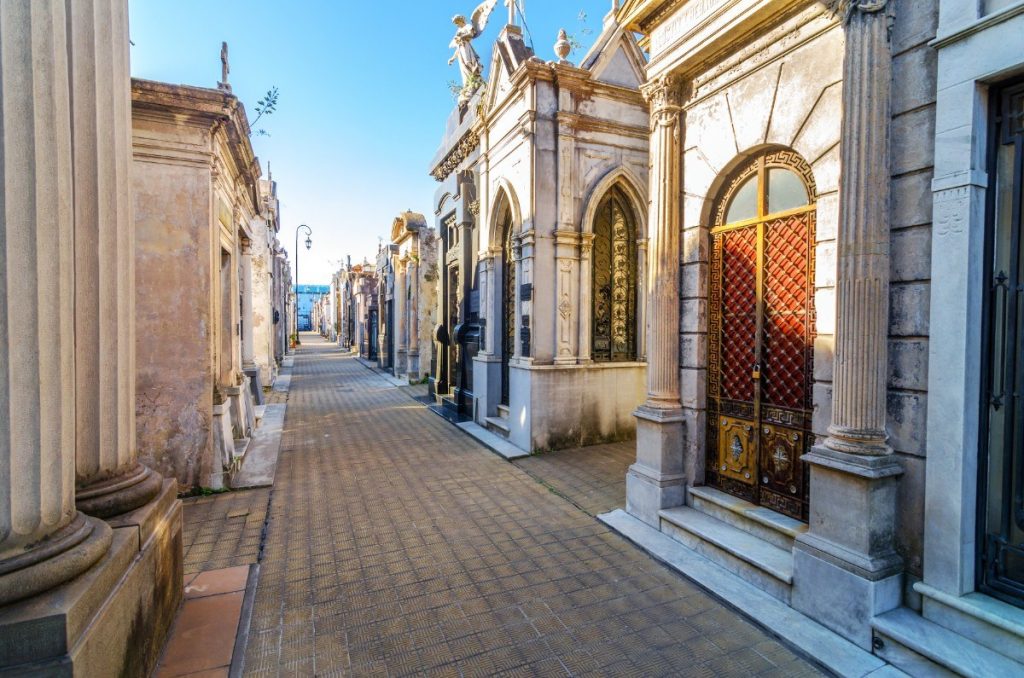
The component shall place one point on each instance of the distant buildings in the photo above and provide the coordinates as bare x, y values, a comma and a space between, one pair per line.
307, 296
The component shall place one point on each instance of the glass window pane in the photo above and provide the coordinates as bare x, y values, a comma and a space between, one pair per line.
786, 190
744, 202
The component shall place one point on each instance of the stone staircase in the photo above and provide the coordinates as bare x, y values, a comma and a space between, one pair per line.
752, 542
498, 425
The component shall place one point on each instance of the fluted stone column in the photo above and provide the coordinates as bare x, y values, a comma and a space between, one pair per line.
846, 566
109, 479
44, 540
656, 480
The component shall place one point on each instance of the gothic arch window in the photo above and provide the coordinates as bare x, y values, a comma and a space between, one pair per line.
508, 299
614, 294
761, 330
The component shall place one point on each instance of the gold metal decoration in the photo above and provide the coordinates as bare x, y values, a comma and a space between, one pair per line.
508, 303
614, 280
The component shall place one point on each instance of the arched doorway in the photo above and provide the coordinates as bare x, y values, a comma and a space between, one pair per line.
761, 330
614, 280
508, 300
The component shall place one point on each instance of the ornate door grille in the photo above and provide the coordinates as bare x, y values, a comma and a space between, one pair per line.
508, 306
761, 331
1001, 464
614, 281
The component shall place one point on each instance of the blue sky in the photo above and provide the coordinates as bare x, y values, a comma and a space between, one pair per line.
363, 96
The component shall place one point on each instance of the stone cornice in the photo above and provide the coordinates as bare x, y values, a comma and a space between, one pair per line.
218, 111
459, 152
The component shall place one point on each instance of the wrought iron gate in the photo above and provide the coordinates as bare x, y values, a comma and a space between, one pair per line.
761, 331
508, 306
1001, 464
614, 281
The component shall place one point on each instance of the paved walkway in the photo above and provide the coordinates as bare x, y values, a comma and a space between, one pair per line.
397, 545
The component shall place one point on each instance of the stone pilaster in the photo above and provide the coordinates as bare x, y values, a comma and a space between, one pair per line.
246, 285
414, 317
109, 478
656, 480
586, 292
44, 539
641, 306
846, 566
567, 299
401, 319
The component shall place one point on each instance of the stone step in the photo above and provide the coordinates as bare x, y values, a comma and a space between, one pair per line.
763, 523
989, 622
503, 411
919, 647
755, 560
498, 426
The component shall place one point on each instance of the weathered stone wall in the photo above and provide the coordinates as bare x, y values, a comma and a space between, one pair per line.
912, 157
262, 302
428, 282
174, 386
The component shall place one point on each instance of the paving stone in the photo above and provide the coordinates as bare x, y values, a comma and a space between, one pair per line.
397, 545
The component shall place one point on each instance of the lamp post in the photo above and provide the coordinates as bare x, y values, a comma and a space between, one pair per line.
309, 244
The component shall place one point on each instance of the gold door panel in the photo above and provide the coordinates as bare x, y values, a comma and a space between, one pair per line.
737, 450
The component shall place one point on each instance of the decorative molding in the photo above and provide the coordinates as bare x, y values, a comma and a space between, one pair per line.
456, 156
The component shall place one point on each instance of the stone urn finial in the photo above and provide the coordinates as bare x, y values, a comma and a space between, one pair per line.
563, 47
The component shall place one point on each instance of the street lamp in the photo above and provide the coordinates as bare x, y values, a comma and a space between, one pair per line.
309, 244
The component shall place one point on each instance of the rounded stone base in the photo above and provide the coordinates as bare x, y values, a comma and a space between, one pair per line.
62, 556
120, 494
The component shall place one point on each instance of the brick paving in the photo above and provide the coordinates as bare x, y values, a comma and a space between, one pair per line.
223, 530
593, 478
397, 545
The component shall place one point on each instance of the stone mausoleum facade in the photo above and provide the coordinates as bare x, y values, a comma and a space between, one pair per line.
828, 182
411, 299
201, 219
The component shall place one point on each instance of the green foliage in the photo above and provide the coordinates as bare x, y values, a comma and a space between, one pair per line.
584, 31
265, 106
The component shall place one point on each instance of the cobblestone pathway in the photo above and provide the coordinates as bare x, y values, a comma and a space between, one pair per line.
397, 546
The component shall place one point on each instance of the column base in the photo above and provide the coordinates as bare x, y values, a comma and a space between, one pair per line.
839, 598
656, 481
846, 569
124, 492
61, 557
113, 618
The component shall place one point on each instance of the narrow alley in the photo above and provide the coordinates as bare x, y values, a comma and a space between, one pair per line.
397, 545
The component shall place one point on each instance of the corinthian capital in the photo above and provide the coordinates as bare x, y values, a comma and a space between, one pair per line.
845, 8
665, 95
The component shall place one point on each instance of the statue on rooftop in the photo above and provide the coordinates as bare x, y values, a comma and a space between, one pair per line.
462, 43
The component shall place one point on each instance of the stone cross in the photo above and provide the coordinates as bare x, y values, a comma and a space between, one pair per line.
511, 4
225, 67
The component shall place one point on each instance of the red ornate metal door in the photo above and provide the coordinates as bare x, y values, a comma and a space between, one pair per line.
761, 333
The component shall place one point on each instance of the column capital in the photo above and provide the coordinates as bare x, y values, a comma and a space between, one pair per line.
665, 95
846, 8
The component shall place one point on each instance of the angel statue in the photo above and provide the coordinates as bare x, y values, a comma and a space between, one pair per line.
462, 43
